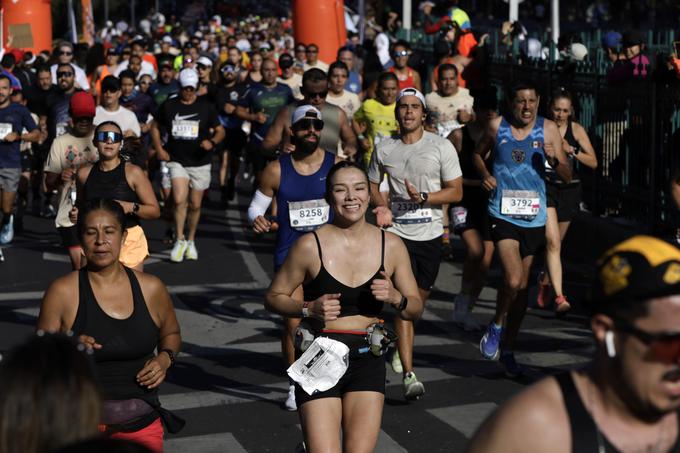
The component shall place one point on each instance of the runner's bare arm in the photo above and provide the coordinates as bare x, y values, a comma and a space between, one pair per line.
587, 154
482, 150
275, 134
403, 277
349, 140
148, 204
53, 308
538, 409
555, 152
451, 192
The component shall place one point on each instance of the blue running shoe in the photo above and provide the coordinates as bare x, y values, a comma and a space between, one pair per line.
490, 344
7, 231
512, 369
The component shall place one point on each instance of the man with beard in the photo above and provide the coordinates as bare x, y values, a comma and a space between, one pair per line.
228, 95
629, 398
520, 146
13, 119
298, 180
57, 114
423, 174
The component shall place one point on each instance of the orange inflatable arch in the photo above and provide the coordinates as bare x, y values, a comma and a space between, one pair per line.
321, 22
27, 25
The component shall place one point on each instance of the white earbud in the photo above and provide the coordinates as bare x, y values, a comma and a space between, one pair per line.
609, 344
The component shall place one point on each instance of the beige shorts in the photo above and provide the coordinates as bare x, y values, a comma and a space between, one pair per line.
199, 177
135, 248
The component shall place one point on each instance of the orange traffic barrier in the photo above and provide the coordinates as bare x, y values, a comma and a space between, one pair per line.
321, 22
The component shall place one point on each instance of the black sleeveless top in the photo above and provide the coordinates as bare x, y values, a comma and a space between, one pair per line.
126, 343
357, 300
550, 173
113, 185
585, 436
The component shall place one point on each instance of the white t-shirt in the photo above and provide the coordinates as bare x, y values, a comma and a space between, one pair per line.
147, 68
125, 118
426, 164
71, 152
444, 110
295, 83
349, 102
81, 77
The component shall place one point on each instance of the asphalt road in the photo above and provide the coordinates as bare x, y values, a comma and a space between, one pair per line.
229, 381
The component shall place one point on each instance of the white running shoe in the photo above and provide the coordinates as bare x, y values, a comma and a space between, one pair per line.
291, 405
7, 231
396, 362
191, 253
178, 250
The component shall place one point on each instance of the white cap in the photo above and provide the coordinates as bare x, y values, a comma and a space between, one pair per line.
412, 92
426, 3
265, 45
578, 51
205, 61
306, 111
198, 34
188, 78
167, 39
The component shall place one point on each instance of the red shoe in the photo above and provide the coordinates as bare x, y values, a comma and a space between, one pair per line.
562, 304
543, 291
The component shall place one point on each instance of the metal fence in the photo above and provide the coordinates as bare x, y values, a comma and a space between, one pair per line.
635, 130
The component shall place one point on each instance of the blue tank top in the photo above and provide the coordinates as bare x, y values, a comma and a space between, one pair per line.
353, 83
519, 165
295, 187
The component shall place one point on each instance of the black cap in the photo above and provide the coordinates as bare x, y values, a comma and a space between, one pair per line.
638, 269
110, 83
166, 63
286, 61
633, 37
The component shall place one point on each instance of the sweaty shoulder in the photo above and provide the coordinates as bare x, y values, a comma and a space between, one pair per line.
537, 409
151, 285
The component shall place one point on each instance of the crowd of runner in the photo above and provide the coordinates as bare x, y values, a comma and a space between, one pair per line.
362, 174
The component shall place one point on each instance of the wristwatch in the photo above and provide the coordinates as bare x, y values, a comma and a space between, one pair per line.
135, 208
170, 354
424, 196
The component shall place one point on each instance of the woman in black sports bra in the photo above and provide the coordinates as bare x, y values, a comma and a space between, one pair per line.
124, 316
349, 270
563, 199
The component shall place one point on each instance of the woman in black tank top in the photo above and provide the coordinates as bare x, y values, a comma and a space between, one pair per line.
349, 270
563, 199
124, 317
114, 178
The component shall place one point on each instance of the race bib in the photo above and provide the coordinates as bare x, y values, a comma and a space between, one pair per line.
5, 129
185, 129
321, 366
62, 128
407, 211
459, 216
308, 215
520, 203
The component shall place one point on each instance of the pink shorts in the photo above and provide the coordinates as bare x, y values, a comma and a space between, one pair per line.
151, 437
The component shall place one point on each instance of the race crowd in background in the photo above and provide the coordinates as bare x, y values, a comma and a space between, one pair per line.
383, 154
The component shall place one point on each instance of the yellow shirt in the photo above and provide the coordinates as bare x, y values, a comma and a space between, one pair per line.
380, 121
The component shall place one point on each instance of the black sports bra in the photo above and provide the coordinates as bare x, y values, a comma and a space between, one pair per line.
357, 300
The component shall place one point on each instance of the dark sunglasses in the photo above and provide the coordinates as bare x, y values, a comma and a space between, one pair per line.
311, 51
201, 66
113, 137
110, 90
65, 52
320, 94
301, 49
305, 124
663, 347
64, 74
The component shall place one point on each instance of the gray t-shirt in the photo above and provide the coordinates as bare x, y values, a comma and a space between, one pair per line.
425, 164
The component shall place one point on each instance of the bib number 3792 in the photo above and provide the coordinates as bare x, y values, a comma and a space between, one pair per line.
520, 203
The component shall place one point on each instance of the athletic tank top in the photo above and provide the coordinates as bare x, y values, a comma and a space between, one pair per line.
293, 188
519, 169
357, 300
585, 436
551, 176
111, 184
126, 343
406, 83
330, 134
